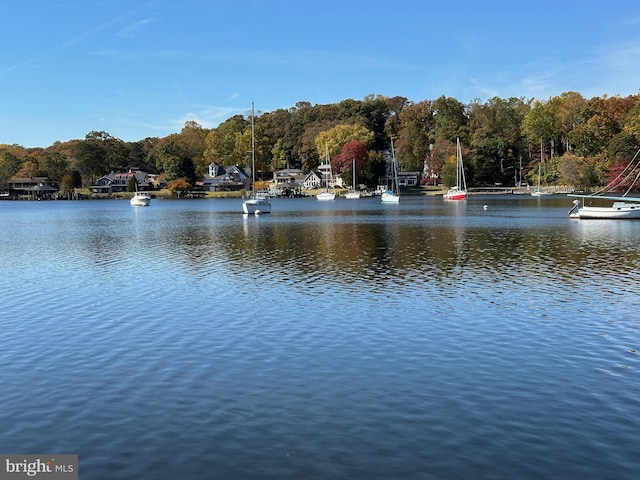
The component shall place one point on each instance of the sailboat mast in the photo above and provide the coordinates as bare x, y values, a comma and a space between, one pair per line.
353, 174
394, 167
458, 155
253, 150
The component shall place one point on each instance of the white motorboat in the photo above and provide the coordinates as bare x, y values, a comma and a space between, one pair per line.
140, 199
255, 203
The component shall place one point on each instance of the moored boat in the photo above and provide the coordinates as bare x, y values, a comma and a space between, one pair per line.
140, 199
459, 190
392, 195
538, 192
353, 193
624, 207
255, 203
327, 176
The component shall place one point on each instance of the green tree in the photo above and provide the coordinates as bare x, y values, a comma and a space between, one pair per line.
70, 181
496, 140
132, 185
54, 163
392, 126
9, 165
375, 168
567, 110
630, 122
450, 171
91, 156
569, 170
220, 144
279, 155
193, 138
451, 120
539, 123
415, 136
173, 158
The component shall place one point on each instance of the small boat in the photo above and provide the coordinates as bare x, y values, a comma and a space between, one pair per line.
537, 192
353, 193
255, 203
624, 207
326, 195
325, 170
392, 195
140, 199
459, 190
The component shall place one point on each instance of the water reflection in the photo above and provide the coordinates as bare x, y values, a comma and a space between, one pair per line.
318, 326
420, 242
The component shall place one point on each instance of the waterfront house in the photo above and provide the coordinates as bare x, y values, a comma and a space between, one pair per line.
119, 182
287, 181
219, 178
37, 187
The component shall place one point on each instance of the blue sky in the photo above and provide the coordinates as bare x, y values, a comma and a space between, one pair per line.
138, 69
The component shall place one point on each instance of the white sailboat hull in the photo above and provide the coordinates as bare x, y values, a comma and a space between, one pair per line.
624, 207
390, 197
619, 210
455, 193
352, 195
256, 206
326, 196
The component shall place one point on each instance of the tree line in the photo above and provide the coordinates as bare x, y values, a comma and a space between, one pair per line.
579, 141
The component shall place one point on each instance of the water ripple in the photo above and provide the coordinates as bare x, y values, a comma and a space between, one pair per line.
424, 341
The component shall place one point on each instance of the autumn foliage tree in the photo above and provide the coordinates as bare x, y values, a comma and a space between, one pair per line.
343, 162
180, 186
622, 176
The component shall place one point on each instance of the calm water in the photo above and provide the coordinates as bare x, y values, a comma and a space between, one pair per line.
346, 339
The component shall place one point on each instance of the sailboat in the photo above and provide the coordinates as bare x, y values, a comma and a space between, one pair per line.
392, 195
624, 207
255, 203
325, 171
537, 192
459, 190
353, 193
